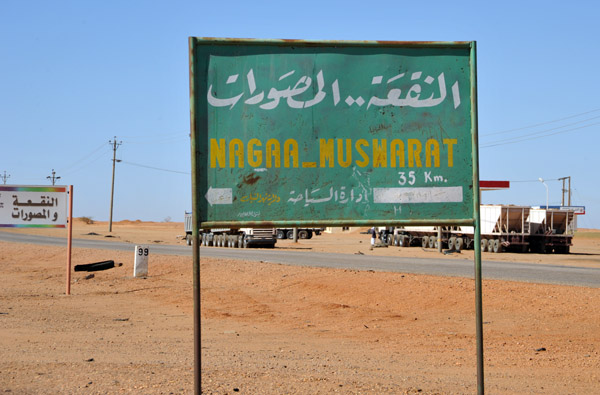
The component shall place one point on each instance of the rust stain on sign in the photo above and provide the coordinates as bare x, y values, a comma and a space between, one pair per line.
251, 179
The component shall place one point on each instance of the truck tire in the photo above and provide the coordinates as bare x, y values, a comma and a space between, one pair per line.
94, 267
188, 239
425, 241
458, 245
484, 245
497, 246
290, 234
403, 241
280, 234
432, 242
452, 243
246, 244
302, 234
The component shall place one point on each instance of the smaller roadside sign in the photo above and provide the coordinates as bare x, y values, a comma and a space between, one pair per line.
23, 206
580, 210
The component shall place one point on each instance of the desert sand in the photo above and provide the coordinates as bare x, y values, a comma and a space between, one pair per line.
275, 329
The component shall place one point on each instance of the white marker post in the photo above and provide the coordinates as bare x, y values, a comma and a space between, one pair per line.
140, 267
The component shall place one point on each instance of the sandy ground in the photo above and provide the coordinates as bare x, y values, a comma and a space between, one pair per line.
275, 329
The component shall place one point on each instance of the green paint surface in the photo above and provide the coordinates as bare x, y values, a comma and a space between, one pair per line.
332, 133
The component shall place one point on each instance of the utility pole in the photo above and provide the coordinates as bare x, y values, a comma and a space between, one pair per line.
115, 145
53, 177
5, 177
563, 179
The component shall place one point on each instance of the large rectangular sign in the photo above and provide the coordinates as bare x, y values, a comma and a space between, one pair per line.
33, 206
332, 132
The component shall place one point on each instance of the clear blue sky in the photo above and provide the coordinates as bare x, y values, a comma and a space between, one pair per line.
74, 74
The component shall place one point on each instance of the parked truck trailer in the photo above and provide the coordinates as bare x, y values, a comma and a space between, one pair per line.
231, 237
503, 228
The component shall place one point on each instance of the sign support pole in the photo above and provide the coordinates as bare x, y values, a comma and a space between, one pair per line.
195, 229
69, 239
477, 227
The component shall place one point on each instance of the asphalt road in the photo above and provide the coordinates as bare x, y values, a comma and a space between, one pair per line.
513, 271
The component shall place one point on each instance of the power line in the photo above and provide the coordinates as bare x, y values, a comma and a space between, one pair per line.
546, 130
519, 139
155, 168
91, 161
542, 123
83, 158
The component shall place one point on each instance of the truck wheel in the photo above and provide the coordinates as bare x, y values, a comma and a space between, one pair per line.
302, 234
402, 241
484, 245
188, 239
497, 246
246, 244
280, 234
425, 241
458, 244
290, 234
240, 241
451, 243
432, 242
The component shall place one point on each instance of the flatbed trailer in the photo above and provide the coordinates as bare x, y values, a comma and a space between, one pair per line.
503, 228
231, 237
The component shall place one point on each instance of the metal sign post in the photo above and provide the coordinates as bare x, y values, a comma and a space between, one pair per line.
329, 133
36, 206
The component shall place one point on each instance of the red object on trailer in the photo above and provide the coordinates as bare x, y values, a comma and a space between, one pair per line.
493, 185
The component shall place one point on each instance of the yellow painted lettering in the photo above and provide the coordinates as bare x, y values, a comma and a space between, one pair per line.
217, 153
273, 152
432, 148
450, 143
414, 153
290, 149
326, 152
397, 153
358, 145
236, 149
340, 152
379, 153
254, 156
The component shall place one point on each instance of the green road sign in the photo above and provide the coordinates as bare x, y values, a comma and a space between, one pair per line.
332, 133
